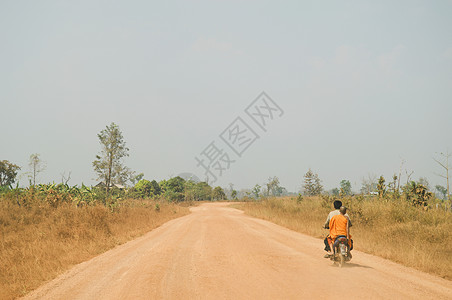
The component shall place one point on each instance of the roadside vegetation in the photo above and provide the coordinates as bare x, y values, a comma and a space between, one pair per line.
391, 228
45, 232
407, 223
47, 228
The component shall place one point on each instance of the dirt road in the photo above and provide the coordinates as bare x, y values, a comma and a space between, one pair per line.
217, 252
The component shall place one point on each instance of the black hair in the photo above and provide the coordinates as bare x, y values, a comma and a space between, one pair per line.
337, 204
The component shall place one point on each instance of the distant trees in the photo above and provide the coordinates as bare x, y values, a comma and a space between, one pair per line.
8, 173
274, 188
203, 191
369, 184
441, 190
312, 184
256, 191
178, 189
145, 188
346, 188
36, 166
173, 188
108, 164
218, 194
155, 189
335, 192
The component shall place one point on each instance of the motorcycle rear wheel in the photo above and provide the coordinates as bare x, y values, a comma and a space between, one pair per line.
341, 261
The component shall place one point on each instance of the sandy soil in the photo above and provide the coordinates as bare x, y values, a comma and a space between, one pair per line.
217, 252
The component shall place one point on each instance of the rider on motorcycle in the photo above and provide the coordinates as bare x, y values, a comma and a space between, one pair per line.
339, 226
337, 205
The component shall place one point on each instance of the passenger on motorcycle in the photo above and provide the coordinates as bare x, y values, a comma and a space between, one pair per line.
339, 226
337, 205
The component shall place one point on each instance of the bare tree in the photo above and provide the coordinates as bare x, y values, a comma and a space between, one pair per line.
369, 184
36, 166
408, 176
65, 179
400, 175
444, 163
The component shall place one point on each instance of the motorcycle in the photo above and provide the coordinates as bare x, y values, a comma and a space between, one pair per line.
341, 251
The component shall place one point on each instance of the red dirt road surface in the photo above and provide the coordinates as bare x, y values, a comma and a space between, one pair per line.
217, 252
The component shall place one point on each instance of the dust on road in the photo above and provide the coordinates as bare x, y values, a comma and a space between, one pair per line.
217, 252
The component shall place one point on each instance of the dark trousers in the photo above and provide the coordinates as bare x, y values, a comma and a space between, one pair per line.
327, 246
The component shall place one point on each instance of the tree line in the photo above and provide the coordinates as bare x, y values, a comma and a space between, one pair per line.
114, 174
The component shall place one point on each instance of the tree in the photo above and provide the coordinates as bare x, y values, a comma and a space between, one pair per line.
234, 194
418, 194
229, 190
400, 176
394, 188
108, 164
256, 191
346, 187
155, 188
65, 179
218, 194
143, 187
335, 192
444, 163
441, 190
203, 191
312, 184
8, 173
136, 178
174, 188
273, 187
381, 187
176, 184
36, 166
318, 187
369, 184
146, 188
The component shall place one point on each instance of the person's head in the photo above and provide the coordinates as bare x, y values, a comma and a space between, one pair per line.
343, 210
337, 204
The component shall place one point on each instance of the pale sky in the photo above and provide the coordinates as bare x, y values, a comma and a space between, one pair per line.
363, 85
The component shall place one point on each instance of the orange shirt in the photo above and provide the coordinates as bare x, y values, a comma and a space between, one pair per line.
338, 226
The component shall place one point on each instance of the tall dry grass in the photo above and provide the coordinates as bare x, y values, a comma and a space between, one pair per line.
391, 229
38, 242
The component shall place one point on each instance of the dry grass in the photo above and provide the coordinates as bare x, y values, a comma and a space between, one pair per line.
39, 242
391, 229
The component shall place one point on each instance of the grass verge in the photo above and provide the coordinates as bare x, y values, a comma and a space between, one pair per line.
390, 229
39, 242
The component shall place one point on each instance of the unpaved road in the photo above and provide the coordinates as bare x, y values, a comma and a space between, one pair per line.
217, 252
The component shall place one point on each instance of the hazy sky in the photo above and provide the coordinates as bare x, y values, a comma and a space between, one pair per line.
363, 85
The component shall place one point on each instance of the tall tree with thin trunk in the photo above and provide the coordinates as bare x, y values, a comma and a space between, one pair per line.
444, 163
108, 164
36, 166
